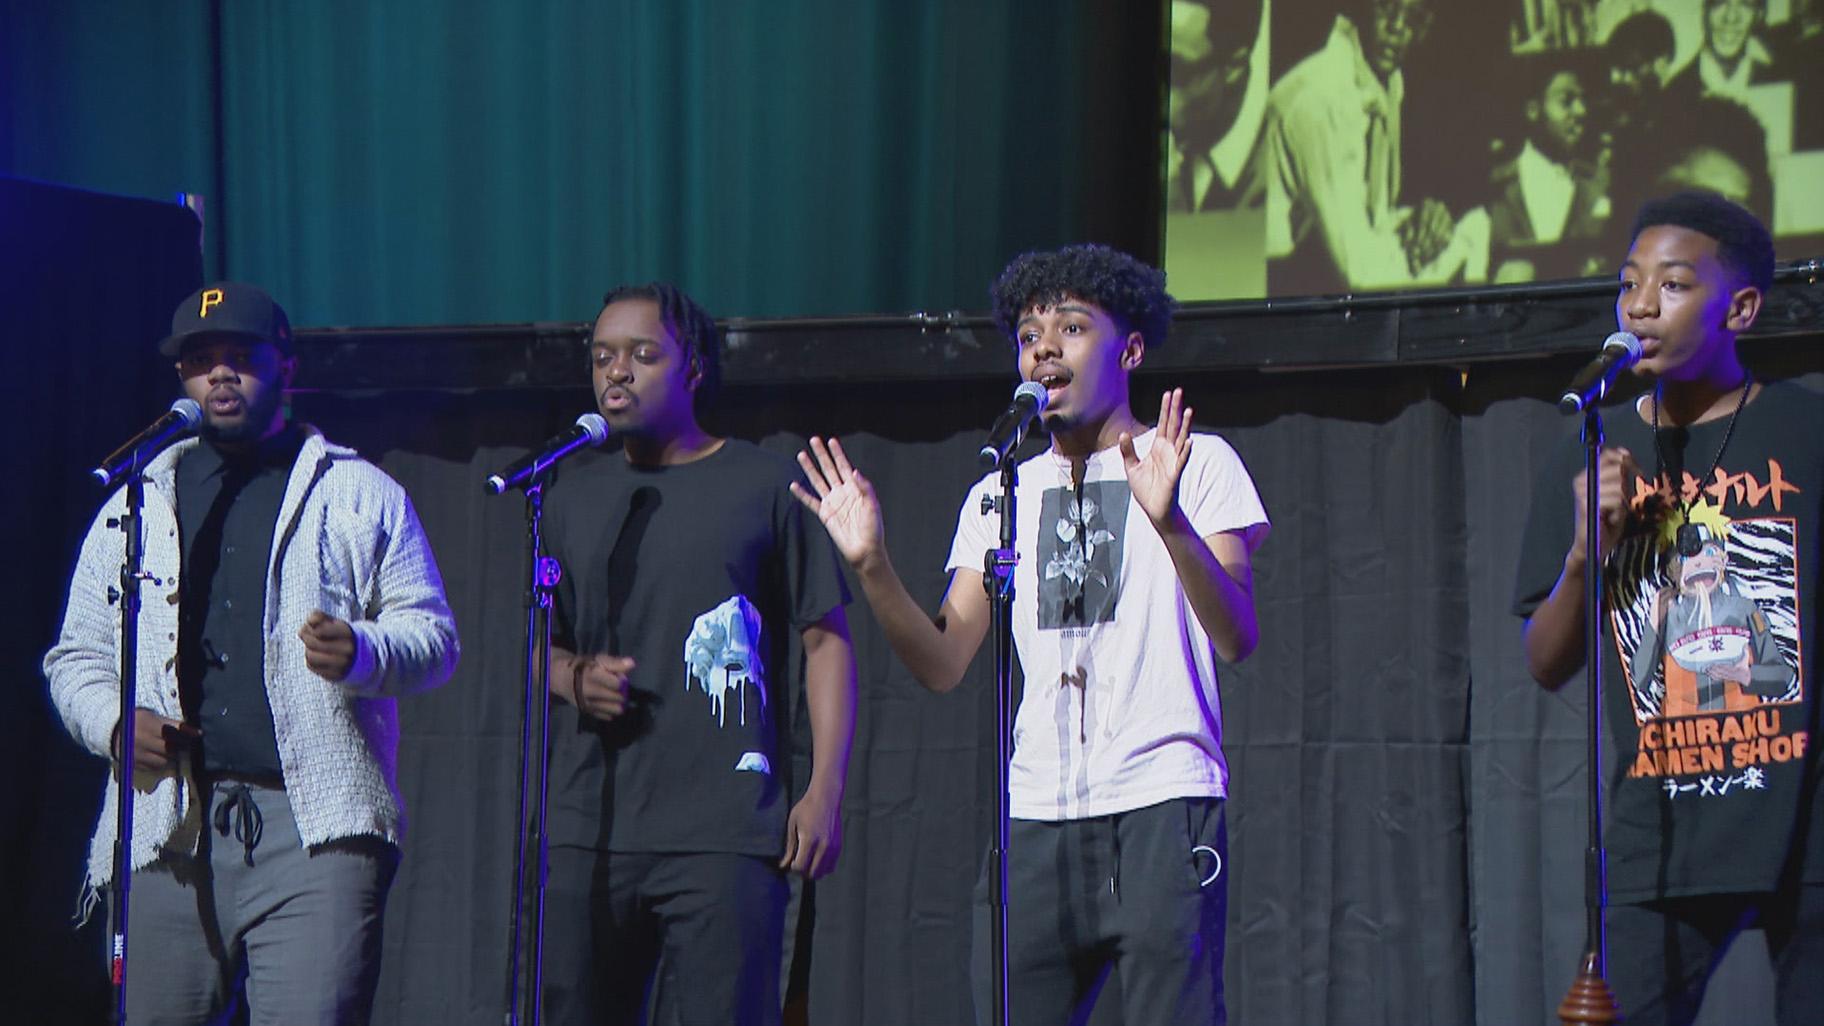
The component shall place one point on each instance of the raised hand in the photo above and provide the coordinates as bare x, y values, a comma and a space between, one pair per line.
1154, 479
845, 501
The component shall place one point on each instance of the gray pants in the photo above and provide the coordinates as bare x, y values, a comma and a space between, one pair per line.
299, 930
1142, 892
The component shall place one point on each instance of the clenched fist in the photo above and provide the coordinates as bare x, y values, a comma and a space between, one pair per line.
329, 645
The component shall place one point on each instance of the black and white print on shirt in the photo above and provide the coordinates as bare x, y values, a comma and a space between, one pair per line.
1081, 534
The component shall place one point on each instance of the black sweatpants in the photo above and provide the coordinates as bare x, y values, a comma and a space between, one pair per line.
714, 922
1661, 954
1145, 891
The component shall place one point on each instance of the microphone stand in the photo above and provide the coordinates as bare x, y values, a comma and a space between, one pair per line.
543, 574
132, 572
1589, 999
997, 579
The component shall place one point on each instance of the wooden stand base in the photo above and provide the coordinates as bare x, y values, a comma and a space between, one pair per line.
1589, 999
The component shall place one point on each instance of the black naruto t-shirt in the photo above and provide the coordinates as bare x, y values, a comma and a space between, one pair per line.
1710, 664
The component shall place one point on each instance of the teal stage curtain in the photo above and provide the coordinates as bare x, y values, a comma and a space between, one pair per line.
422, 161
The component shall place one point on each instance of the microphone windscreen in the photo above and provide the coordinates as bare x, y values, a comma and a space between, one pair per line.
1627, 342
594, 426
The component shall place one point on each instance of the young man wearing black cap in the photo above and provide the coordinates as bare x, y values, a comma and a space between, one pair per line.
1708, 545
688, 570
290, 595
1134, 580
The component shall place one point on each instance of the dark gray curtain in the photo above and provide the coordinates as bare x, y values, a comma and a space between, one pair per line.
1406, 819
1360, 763
1346, 731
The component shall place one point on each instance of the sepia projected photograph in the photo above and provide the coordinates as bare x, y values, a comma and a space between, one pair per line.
1337, 146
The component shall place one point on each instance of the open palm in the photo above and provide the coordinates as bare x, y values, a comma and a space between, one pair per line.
1153, 479
844, 501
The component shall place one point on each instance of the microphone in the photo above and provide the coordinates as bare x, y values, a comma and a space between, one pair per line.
1028, 402
590, 430
180, 420
1619, 352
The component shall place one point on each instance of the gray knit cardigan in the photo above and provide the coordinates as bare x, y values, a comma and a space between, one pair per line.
348, 542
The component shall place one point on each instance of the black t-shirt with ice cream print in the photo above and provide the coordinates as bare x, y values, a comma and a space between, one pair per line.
701, 572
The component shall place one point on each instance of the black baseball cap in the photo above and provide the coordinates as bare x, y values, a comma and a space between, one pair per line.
227, 310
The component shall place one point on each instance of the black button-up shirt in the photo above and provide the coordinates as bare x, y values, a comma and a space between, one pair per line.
228, 510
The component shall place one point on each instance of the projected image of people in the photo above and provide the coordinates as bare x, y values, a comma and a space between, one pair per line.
1542, 25
1798, 47
1215, 107
1331, 162
1551, 196
1399, 144
1637, 59
1733, 57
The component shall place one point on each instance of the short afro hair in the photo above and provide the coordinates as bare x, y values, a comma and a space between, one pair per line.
1742, 242
1643, 36
1131, 292
689, 323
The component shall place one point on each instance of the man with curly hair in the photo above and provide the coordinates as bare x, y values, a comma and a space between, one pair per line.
1133, 581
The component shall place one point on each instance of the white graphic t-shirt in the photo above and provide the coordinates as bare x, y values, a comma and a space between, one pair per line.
1120, 709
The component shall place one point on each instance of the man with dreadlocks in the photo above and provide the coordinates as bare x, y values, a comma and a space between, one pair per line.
686, 565
1134, 580
1707, 544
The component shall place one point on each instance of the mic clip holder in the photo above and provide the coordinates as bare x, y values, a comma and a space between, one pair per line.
1001, 563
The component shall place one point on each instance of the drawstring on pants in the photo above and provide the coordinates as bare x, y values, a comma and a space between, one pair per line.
247, 824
